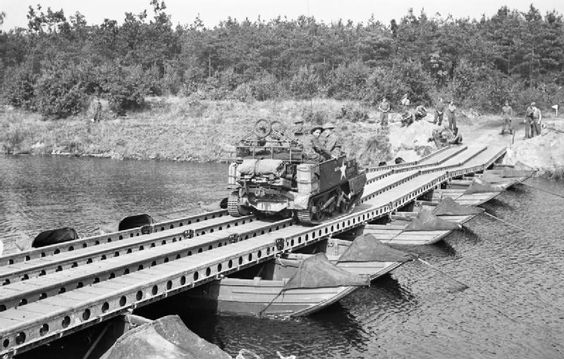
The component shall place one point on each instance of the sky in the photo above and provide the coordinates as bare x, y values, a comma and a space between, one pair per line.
184, 12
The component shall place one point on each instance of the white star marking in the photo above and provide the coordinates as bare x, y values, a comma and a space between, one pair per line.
343, 169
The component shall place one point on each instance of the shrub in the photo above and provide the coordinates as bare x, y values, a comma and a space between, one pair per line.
353, 113
12, 138
59, 94
384, 82
20, 87
264, 87
125, 88
304, 84
349, 81
316, 117
243, 93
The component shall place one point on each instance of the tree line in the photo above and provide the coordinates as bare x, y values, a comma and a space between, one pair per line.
58, 63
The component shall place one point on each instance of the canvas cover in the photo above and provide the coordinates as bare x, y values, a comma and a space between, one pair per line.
515, 173
318, 272
261, 167
448, 207
492, 178
366, 248
481, 186
427, 221
164, 338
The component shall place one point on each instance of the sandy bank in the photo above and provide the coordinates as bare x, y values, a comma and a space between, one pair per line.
182, 129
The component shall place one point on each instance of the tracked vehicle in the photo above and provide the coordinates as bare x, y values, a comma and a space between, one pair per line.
272, 175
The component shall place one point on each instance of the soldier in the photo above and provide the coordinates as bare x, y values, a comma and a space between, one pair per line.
405, 102
384, 108
407, 119
420, 113
444, 137
313, 149
536, 121
97, 111
507, 114
529, 119
406, 116
332, 143
439, 111
451, 115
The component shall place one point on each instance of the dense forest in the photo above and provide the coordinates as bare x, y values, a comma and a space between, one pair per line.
57, 64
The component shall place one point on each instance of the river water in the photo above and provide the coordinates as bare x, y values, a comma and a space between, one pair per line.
513, 308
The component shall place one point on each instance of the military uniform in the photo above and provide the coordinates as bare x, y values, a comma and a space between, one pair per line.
332, 143
537, 118
533, 121
384, 108
439, 111
507, 113
313, 148
452, 116
407, 119
420, 112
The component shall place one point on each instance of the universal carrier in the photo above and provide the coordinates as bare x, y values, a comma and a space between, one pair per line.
273, 176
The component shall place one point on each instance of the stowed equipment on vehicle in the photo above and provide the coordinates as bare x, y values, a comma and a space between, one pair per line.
272, 175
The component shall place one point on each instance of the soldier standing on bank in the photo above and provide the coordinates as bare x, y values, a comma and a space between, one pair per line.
439, 111
451, 115
97, 111
529, 120
537, 119
507, 113
384, 109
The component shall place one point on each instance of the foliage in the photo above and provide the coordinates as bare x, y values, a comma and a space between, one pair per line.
58, 91
124, 87
512, 54
19, 87
352, 113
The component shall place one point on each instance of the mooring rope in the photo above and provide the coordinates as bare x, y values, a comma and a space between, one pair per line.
507, 223
466, 286
543, 190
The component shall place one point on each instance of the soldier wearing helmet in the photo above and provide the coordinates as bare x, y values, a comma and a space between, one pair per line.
332, 143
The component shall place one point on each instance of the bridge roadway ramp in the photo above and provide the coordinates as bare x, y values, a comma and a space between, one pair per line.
393, 233
58, 303
433, 159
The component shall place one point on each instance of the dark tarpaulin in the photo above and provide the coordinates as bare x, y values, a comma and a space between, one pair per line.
318, 272
427, 221
492, 178
448, 207
516, 173
164, 338
367, 248
480, 186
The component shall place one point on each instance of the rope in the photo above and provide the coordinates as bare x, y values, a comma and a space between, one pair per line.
464, 285
543, 190
507, 223
270, 303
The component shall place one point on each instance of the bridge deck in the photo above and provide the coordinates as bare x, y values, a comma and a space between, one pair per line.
52, 292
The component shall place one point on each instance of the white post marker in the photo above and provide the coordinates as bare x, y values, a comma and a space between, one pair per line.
555, 107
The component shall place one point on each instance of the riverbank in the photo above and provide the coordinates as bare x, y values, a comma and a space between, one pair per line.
184, 129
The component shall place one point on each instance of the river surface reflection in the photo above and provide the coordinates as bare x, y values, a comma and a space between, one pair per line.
514, 307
